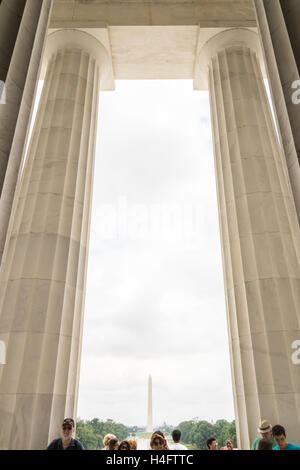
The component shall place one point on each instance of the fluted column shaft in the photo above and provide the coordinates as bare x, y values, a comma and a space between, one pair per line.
278, 22
260, 239
23, 28
43, 276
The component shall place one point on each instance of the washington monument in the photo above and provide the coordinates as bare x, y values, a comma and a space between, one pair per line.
149, 420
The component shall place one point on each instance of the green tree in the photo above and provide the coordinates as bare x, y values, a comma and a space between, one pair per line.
86, 435
91, 433
203, 431
196, 432
228, 431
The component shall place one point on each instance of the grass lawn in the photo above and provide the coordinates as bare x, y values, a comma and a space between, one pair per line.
143, 435
189, 446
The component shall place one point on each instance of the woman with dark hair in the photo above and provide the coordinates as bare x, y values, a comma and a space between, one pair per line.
124, 445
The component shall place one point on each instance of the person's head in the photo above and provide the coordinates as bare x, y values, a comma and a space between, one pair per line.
113, 444
265, 429
265, 444
107, 438
157, 442
67, 428
133, 443
160, 433
176, 435
212, 443
229, 444
124, 445
279, 435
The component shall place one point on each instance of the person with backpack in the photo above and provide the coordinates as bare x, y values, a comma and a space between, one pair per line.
66, 441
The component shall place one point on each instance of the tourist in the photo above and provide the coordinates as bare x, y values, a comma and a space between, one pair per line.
113, 444
279, 435
158, 442
106, 440
265, 431
212, 443
228, 445
133, 443
176, 435
166, 447
124, 445
66, 441
265, 444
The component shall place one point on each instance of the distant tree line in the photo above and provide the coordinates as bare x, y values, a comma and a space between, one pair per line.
196, 432
91, 433
193, 432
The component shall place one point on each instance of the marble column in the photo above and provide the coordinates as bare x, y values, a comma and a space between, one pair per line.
260, 238
23, 28
42, 281
278, 23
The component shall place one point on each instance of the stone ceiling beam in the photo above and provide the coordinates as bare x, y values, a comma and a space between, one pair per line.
101, 13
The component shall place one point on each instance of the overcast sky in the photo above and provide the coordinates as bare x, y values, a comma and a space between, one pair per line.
155, 298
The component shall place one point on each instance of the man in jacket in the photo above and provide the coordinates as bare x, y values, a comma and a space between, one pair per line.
66, 441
